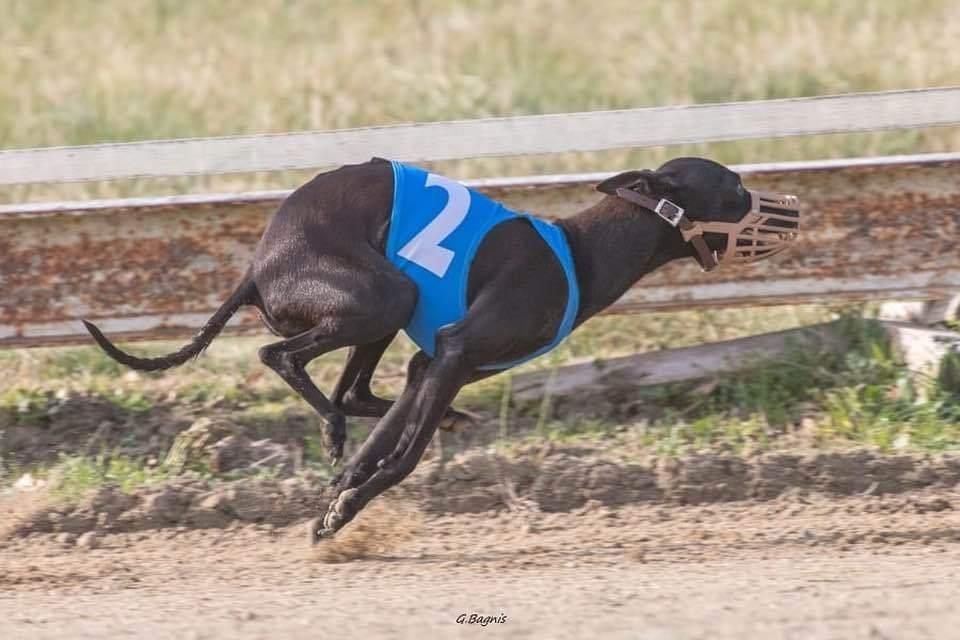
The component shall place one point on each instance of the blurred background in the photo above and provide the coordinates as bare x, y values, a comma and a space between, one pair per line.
79, 72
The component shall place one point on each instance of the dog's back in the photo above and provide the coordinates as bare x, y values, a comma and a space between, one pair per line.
333, 212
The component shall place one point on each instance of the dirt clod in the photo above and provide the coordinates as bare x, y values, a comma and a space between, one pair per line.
529, 481
88, 540
66, 539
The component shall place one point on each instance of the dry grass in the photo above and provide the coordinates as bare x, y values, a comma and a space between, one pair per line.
229, 369
78, 71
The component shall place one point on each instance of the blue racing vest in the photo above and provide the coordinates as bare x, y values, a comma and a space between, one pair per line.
436, 227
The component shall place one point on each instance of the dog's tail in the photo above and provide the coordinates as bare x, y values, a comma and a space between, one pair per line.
243, 294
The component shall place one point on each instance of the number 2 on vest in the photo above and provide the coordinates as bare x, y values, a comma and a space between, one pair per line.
424, 248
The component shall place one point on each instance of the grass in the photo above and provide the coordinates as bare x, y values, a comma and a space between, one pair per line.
828, 398
861, 395
229, 371
815, 398
75, 476
80, 72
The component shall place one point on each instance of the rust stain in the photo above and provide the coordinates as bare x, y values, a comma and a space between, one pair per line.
158, 261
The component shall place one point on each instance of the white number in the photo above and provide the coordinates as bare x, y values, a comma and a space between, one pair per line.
424, 249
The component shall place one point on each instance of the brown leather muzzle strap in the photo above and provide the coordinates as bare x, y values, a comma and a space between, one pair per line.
675, 217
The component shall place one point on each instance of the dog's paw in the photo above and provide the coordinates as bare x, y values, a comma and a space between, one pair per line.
339, 513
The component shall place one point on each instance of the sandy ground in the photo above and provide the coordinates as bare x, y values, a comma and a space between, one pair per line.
796, 567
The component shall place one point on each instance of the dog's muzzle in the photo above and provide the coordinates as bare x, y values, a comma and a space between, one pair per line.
769, 227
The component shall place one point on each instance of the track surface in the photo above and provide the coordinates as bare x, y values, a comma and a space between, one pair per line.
864, 567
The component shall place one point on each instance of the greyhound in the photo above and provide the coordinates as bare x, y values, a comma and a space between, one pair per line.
325, 276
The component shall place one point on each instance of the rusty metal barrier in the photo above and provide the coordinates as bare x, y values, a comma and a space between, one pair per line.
874, 229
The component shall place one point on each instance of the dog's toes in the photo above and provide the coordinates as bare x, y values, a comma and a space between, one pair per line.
339, 512
331, 524
340, 505
335, 453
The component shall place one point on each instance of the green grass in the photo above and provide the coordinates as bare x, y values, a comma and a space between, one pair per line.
74, 476
230, 371
808, 397
25, 404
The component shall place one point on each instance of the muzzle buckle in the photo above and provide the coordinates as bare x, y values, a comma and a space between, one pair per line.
770, 225
669, 211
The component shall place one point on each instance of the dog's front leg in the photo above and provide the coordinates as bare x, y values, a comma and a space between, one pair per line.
432, 394
383, 439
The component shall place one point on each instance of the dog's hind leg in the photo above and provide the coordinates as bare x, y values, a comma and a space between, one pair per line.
369, 309
289, 359
352, 394
354, 397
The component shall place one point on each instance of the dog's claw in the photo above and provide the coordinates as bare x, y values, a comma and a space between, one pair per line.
315, 531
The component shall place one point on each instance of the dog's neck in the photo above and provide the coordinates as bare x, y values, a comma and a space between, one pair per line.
613, 246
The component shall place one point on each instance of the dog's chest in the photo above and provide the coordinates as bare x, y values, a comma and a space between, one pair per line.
436, 226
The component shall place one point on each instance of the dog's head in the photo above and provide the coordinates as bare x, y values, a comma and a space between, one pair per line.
723, 221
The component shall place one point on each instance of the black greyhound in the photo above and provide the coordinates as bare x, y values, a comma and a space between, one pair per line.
320, 279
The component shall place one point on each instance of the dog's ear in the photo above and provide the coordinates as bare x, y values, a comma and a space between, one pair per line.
625, 179
652, 181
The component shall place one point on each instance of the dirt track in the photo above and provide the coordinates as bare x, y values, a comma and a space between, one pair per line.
857, 567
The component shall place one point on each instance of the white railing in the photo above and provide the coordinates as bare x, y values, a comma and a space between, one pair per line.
510, 136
